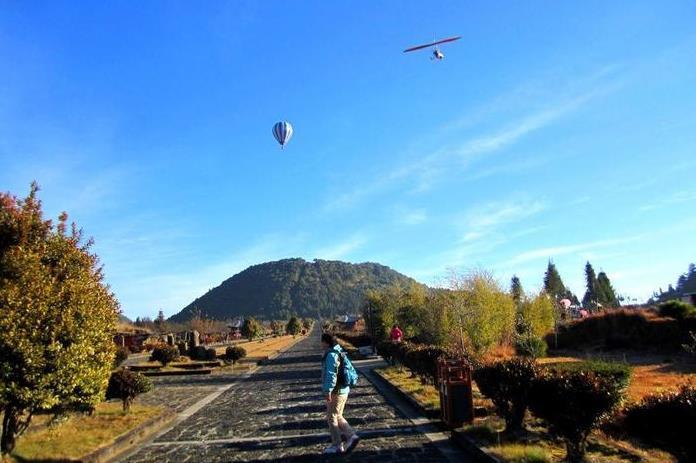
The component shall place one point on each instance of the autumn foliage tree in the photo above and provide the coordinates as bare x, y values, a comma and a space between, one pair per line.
57, 317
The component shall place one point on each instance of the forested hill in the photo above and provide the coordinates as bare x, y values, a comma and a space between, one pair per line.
293, 286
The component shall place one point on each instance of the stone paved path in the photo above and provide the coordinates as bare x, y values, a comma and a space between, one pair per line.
277, 414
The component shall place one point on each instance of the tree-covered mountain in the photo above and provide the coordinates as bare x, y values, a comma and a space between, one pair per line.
293, 286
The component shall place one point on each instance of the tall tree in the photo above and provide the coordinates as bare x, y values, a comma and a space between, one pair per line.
606, 294
553, 284
516, 290
590, 299
250, 328
57, 318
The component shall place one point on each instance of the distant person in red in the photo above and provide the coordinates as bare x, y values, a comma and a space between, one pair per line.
396, 334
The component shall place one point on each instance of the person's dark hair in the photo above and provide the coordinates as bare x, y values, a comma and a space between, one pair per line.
394, 326
329, 339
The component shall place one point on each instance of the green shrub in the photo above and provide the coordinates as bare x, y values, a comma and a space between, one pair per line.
422, 361
530, 346
234, 354
121, 356
690, 346
666, 420
507, 384
677, 309
574, 398
619, 374
199, 353
386, 350
165, 354
126, 385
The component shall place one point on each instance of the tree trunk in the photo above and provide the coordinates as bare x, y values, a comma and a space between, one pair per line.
575, 450
10, 429
514, 422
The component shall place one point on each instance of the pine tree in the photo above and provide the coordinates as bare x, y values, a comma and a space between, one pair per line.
553, 284
516, 290
606, 294
590, 299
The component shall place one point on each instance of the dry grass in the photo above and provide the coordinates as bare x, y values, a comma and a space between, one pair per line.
522, 453
82, 434
425, 394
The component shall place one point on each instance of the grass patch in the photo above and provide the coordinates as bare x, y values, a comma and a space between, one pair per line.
518, 453
426, 395
82, 434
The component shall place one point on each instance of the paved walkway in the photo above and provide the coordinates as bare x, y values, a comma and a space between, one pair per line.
277, 414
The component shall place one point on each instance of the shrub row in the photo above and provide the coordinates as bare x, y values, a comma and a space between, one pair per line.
571, 397
421, 359
666, 420
624, 329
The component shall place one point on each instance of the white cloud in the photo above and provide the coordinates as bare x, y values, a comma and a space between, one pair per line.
343, 248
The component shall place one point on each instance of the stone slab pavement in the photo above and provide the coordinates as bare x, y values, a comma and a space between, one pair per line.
277, 414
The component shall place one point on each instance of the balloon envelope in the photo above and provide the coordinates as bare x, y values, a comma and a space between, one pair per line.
282, 131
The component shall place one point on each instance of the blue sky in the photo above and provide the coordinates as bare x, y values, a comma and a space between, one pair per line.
561, 130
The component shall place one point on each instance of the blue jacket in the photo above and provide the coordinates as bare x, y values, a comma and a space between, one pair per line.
329, 371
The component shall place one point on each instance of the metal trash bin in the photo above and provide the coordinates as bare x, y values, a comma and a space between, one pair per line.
456, 399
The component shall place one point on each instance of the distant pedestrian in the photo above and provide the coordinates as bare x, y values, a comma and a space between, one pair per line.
336, 395
396, 334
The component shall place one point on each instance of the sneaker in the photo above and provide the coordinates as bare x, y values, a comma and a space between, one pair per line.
333, 449
352, 442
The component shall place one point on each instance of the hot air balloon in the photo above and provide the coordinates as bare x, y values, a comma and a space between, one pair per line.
282, 131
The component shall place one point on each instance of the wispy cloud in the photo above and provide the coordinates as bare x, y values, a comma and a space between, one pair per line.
676, 198
344, 248
424, 172
555, 251
408, 216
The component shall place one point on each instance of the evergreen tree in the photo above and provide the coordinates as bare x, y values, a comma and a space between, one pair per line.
57, 318
590, 299
553, 284
606, 294
250, 328
293, 327
516, 290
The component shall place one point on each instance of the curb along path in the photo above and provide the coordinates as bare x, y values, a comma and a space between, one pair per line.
277, 414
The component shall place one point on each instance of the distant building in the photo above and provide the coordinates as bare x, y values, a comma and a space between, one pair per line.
350, 323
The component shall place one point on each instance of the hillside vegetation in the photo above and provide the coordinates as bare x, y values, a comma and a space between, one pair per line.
294, 286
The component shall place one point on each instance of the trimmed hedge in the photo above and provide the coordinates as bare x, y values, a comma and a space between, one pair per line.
234, 354
164, 353
126, 385
678, 310
421, 359
666, 420
507, 384
620, 329
574, 397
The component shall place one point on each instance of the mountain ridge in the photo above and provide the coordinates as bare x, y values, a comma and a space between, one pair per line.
279, 289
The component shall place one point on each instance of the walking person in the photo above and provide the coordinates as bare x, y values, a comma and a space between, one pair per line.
336, 394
